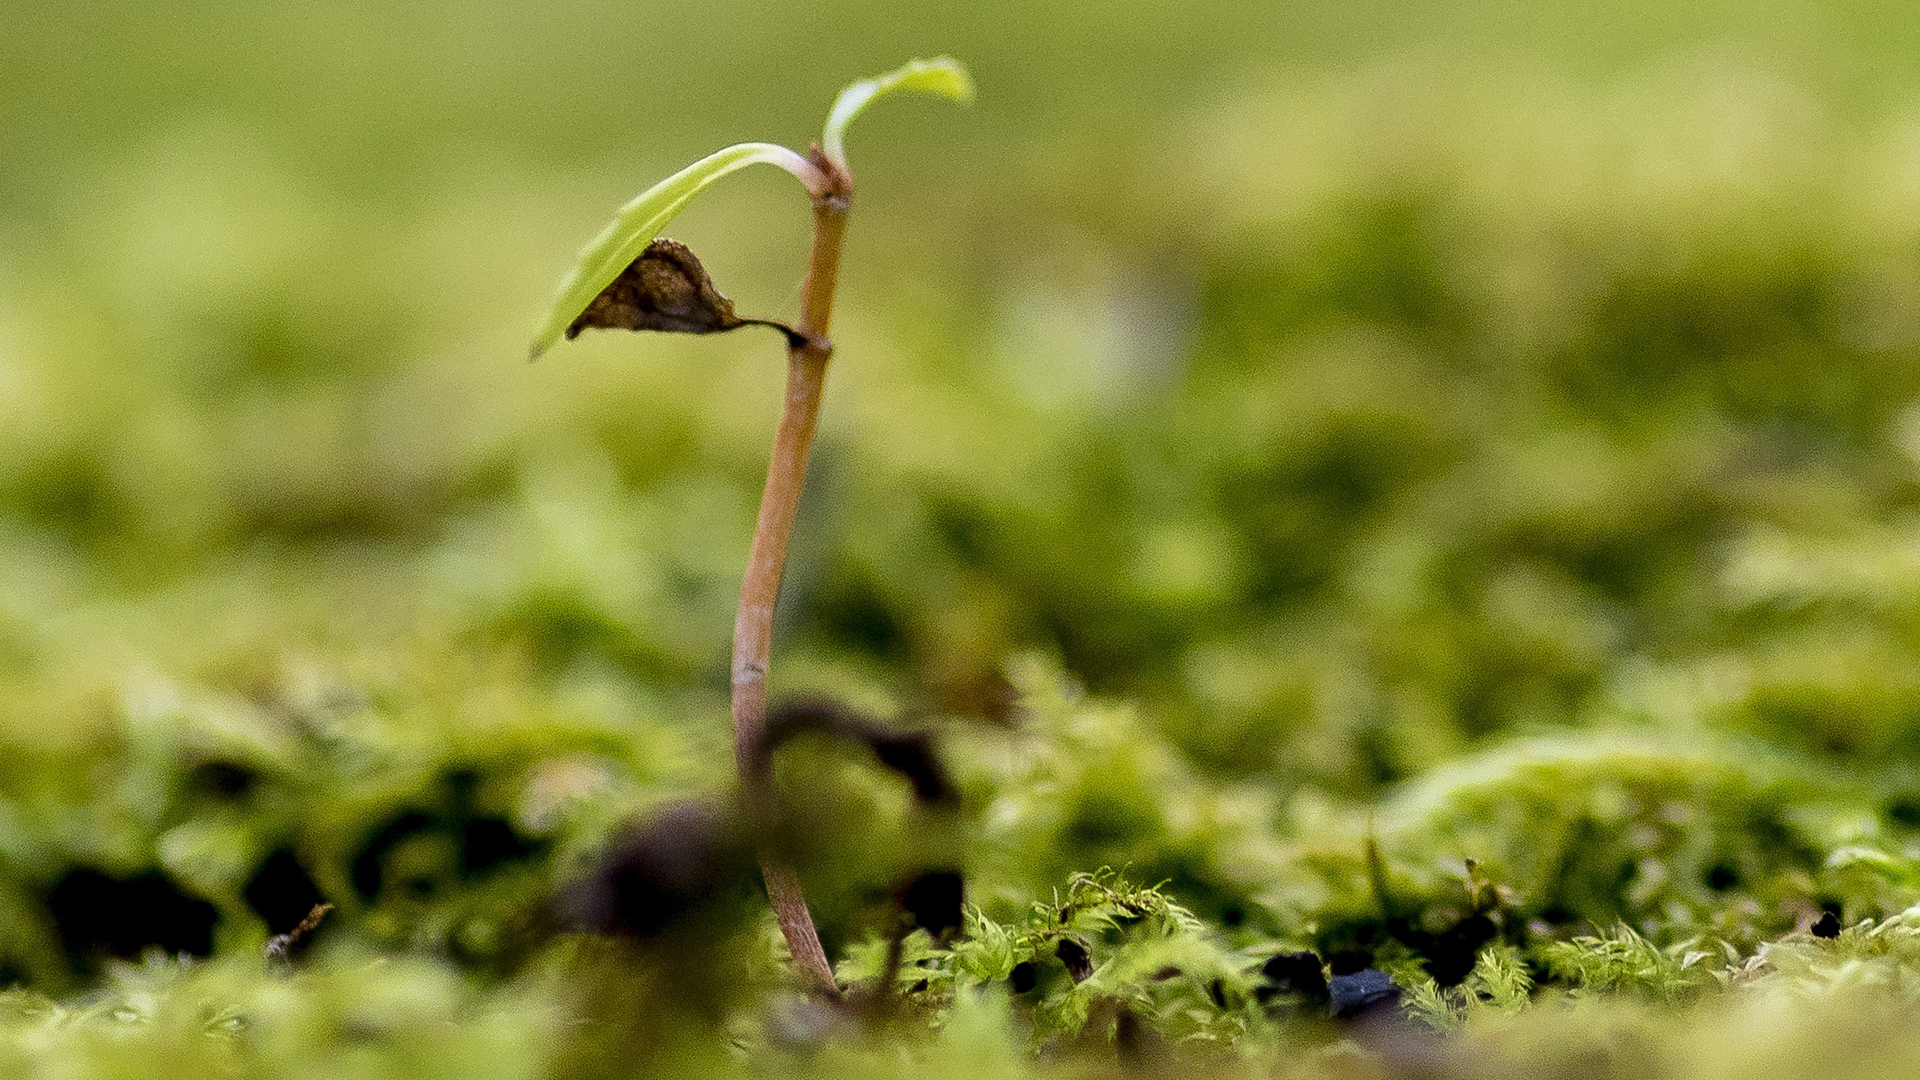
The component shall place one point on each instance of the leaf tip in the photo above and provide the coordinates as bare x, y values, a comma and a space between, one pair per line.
942, 76
948, 77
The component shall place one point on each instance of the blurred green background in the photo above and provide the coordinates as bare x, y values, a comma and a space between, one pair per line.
1356, 387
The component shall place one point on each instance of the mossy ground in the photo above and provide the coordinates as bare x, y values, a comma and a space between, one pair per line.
1458, 521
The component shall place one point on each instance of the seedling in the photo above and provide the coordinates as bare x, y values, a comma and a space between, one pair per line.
629, 277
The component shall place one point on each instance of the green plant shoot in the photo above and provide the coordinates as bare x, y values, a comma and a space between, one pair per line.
642, 219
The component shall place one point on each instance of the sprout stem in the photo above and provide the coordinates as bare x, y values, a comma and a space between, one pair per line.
807, 359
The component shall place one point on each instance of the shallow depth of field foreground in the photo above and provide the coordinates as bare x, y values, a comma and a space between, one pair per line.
1342, 541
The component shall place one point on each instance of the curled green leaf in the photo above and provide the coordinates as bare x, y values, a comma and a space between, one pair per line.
942, 75
638, 222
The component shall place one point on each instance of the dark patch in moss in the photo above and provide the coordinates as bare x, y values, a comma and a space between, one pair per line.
74, 495
96, 913
934, 901
370, 864
1451, 954
1023, 978
1904, 810
663, 873
1135, 1042
487, 842
1348, 961
851, 611
229, 781
1074, 955
1298, 973
283, 893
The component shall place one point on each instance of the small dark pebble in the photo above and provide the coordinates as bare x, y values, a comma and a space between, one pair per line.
1023, 977
1363, 993
1826, 926
1073, 954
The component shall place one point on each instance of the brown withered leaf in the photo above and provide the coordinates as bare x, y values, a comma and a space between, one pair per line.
666, 288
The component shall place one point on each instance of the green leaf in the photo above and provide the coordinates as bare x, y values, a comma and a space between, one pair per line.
943, 75
638, 222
